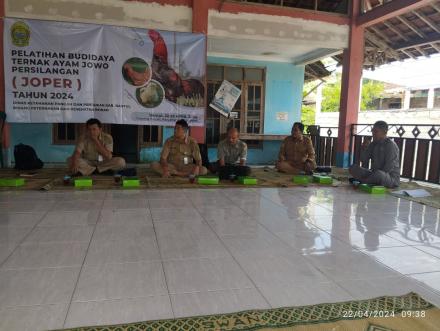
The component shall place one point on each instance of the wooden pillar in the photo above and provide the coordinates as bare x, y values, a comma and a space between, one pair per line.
200, 25
6, 131
353, 58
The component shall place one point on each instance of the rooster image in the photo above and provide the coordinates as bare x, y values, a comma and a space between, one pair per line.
175, 86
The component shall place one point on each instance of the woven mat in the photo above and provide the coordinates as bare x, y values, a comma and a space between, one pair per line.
52, 179
406, 313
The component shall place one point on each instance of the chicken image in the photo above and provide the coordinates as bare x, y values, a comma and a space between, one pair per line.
151, 95
138, 78
175, 86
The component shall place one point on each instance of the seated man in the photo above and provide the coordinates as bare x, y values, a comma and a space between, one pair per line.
296, 153
231, 153
93, 153
385, 161
179, 153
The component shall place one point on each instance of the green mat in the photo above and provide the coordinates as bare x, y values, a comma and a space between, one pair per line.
384, 314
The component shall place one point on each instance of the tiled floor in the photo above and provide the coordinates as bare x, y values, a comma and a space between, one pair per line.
87, 258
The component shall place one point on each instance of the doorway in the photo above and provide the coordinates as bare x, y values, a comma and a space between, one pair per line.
125, 142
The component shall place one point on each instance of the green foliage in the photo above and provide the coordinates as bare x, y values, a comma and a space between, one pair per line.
331, 92
308, 115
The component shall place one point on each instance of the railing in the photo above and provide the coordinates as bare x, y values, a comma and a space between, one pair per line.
332, 6
324, 140
419, 146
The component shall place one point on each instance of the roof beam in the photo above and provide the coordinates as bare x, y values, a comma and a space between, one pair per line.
397, 32
389, 10
381, 43
411, 26
428, 21
316, 55
434, 38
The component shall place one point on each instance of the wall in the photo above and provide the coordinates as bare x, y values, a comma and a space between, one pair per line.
284, 83
39, 136
397, 116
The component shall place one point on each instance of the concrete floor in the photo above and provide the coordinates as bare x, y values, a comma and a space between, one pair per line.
105, 257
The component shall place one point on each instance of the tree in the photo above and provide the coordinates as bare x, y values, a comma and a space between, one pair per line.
308, 115
371, 90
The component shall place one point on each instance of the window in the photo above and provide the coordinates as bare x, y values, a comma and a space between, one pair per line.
419, 99
150, 135
65, 133
69, 133
248, 112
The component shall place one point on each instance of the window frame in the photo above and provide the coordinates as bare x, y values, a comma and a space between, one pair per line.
245, 84
147, 144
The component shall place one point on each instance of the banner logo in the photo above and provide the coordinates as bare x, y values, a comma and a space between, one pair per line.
20, 34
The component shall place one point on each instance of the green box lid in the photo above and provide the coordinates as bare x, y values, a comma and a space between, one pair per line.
301, 179
131, 182
247, 180
83, 182
12, 182
208, 180
322, 179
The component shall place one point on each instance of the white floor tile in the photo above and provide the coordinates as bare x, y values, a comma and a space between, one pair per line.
104, 232
120, 281
59, 234
185, 276
406, 260
175, 214
125, 204
433, 249
69, 218
26, 220
27, 287
107, 312
77, 205
285, 294
217, 302
120, 251
47, 255
33, 318
431, 280
125, 217
13, 235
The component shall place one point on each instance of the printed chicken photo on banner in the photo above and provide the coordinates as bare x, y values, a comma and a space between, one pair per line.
69, 72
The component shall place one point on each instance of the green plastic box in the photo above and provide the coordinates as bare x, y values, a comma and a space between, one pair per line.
301, 179
207, 180
83, 182
246, 180
12, 182
131, 182
373, 189
322, 179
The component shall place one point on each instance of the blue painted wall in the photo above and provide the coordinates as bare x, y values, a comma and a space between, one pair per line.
39, 136
284, 85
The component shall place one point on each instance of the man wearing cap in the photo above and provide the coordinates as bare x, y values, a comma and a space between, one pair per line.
296, 153
385, 161
180, 155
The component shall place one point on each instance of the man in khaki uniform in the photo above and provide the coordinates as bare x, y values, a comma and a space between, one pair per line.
93, 153
179, 153
296, 153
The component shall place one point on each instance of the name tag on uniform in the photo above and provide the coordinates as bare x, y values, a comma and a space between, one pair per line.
186, 160
100, 158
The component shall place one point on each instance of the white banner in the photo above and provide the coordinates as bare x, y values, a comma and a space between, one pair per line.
69, 72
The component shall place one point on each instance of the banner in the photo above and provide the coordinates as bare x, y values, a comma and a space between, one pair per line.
225, 98
59, 72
